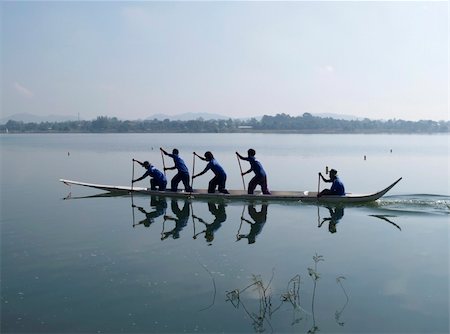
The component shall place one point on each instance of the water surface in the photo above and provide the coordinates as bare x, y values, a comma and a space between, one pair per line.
73, 263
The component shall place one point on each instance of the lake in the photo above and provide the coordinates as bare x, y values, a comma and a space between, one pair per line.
76, 261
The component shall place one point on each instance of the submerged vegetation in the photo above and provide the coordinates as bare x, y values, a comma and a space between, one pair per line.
306, 123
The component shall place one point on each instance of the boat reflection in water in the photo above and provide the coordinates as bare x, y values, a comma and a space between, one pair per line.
158, 205
259, 219
220, 216
336, 213
252, 220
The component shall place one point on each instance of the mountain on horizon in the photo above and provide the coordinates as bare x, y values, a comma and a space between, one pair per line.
187, 116
30, 118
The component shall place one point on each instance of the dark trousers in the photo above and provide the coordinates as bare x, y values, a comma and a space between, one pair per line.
258, 180
180, 177
217, 181
161, 185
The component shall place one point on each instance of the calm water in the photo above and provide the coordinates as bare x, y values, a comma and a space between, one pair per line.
76, 263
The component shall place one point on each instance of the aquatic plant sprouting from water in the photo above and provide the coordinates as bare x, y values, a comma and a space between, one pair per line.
313, 271
291, 296
314, 274
265, 302
337, 315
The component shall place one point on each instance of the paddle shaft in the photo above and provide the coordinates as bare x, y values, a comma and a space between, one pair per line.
318, 185
132, 174
132, 202
240, 168
193, 169
164, 164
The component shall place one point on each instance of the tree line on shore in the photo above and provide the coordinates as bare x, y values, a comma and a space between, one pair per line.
307, 123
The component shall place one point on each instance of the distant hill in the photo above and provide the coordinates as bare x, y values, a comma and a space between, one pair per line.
30, 118
338, 116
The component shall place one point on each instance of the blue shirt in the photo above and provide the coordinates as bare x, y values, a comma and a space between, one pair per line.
256, 166
216, 168
156, 174
179, 164
338, 187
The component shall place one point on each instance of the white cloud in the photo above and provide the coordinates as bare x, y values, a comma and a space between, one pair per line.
23, 90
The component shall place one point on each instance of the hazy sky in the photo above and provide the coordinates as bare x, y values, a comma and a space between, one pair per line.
135, 59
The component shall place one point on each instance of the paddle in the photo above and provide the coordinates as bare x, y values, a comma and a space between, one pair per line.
240, 168
164, 164
193, 220
318, 183
132, 202
193, 171
240, 225
318, 186
132, 174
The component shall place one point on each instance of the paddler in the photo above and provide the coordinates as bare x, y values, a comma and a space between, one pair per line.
260, 177
220, 177
337, 187
158, 180
183, 172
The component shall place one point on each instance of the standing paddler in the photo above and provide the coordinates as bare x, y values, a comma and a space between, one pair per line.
183, 172
260, 177
220, 177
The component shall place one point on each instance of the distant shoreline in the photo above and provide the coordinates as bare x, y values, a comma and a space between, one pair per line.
281, 123
236, 132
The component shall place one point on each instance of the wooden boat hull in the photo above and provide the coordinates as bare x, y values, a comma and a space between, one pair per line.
299, 196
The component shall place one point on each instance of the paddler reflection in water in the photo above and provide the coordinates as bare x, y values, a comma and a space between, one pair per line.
336, 215
259, 219
159, 204
181, 220
337, 187
218, 211
158, 180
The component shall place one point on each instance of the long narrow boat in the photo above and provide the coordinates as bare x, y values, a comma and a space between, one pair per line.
299, 196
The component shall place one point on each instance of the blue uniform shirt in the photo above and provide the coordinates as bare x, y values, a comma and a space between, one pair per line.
256, 166
179, 164
216, 168
156, 174
338, 187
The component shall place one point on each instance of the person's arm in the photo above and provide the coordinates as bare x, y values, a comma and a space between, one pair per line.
170, 155
166, 217
248, 221
324, 179
141, 178
199, 156
163, 151
140, 163
201, 173
247, 172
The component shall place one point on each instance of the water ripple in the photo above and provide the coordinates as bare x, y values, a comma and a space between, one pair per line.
416, 203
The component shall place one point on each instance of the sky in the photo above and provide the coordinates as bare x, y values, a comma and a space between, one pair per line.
131, 60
